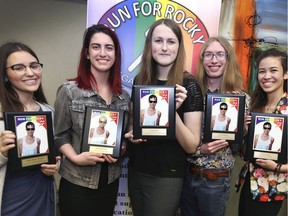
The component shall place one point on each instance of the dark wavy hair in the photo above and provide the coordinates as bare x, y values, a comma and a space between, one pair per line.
9, 98
84, 76
259, 97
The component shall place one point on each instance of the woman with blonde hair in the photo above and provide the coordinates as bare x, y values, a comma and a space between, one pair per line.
207, 182
230, 78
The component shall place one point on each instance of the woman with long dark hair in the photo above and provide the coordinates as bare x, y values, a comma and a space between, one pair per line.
30, 192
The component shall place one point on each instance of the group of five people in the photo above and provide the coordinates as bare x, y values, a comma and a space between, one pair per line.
163, 175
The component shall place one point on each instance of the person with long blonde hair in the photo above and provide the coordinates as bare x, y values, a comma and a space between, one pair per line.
207, 182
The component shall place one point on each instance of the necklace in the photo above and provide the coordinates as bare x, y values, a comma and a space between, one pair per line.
272, 106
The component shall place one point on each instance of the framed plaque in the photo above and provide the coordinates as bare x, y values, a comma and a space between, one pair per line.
34, 139
267, 137
224, 117
103, 130
154, 112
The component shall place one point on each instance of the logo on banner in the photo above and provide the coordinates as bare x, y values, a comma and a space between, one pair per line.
131, 21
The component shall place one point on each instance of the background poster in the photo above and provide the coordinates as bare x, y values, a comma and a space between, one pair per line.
253, 26
131, 20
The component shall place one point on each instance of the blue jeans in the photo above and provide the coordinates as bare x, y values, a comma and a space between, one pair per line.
204, 197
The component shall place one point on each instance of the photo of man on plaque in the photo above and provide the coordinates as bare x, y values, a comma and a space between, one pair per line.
150, 116
267, 135
100, 134
29, 144
264, 141
31, 139
221, 122
224, 115
150, 106
103, 128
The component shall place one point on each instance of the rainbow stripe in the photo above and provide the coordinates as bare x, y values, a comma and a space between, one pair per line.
131, 21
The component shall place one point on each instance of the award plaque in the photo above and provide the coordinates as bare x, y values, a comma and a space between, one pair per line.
224, 117
267, 137
103, 130
153, 112
34, 139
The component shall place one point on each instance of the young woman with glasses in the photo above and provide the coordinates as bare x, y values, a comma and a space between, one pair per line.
207, 182
29, 192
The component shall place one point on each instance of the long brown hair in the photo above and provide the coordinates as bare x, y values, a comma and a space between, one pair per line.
148, 69
232, 79
9, 98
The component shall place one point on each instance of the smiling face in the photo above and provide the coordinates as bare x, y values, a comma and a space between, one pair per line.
165, 46
152, 102
214, 67
101, 52
102, 121
26, 82
223, 109
30, 130
271, 75
267, 128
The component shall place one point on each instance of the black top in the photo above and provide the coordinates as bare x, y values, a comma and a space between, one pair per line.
166, 158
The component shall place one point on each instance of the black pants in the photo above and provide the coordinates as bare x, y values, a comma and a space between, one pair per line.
75, 200
152, 195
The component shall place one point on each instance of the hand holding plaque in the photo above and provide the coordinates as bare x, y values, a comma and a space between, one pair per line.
103, 130
224, 117
267, 137
34, 139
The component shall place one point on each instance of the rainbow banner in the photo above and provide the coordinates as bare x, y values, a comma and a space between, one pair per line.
131, 21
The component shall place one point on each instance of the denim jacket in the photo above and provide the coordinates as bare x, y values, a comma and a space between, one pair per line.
69, 121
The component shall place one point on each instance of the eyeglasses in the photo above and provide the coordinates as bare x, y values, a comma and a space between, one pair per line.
21, 68
102, 122
152, 101
223, 108
221, 56
30, 129
266, 128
